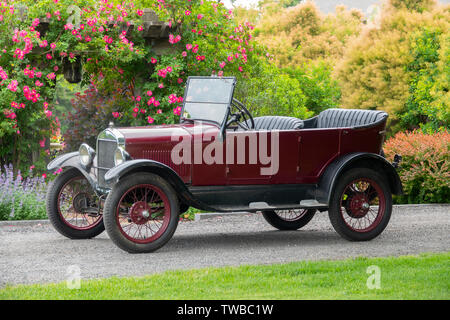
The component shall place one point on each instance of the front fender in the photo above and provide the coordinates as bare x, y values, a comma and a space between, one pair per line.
334, 170
71, 159
114, 175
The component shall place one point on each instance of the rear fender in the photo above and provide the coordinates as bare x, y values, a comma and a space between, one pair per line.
335, 170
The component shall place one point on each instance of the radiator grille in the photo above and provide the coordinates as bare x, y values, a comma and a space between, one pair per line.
105, 158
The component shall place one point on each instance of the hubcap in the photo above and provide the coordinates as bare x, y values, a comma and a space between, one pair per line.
139, 213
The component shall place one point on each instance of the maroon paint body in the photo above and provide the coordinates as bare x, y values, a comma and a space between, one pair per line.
303, 153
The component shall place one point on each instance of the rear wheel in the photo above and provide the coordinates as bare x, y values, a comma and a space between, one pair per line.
141, 213
361, 205
289, 219
73, 206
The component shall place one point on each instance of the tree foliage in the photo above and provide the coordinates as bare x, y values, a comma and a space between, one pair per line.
379, 69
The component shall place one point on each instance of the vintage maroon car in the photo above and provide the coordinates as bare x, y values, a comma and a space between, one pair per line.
138, 180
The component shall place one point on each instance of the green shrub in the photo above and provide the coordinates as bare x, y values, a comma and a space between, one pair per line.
425, 168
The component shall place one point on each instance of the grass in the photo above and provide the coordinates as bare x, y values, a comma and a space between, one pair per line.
408, 277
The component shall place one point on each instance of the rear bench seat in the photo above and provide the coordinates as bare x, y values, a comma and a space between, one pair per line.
339, 118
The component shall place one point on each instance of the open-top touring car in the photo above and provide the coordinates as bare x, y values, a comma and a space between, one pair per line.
138, 180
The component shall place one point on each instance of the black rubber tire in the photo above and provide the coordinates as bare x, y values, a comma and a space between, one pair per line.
334, 213
276, 221
53, 213
112, 201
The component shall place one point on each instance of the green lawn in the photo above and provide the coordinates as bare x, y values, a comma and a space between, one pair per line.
408, 277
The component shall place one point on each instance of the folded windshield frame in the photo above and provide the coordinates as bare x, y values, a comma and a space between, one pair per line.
207, 97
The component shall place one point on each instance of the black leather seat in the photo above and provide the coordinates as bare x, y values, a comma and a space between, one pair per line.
277, 123
339, 118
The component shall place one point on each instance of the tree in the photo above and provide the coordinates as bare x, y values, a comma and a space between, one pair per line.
377, 70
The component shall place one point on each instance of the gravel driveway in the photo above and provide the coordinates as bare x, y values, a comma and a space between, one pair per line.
37, 253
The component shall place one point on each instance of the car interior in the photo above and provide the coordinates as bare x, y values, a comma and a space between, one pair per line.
330, 118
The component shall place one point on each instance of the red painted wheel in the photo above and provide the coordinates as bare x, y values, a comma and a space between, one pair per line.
73, 206
78, 204
361, 204
292, 219
141, 213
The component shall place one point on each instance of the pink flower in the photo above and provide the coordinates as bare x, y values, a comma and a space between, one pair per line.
184, 53
173, 39
140, 28
32, 167
115, 114
195, 48
44, 175
199, 16
222, 65
156, 103
162, 73
180, 80
220, 73
51, 76
140, 13
187, 12
241, 69
177, 111
49, 56
55, 68
188, 46
150, 119
153, 60
161, 85
53, 45
138, 98
13, 85
230, 58
42, 143
149, 93
169, 69
159, 111
35, 22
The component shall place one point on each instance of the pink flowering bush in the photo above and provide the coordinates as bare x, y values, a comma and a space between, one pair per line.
118, 64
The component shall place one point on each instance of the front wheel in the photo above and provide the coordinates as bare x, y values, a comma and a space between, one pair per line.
289, 219
73, 206
361, 205
141, 213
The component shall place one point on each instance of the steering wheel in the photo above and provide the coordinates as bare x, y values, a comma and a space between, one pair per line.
241, 112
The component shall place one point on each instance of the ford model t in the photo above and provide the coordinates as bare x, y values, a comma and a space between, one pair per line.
138, 180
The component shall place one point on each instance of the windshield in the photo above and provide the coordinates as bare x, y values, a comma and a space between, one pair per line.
208, 98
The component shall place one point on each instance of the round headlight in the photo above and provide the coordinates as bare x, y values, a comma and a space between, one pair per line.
120, 156
86, 154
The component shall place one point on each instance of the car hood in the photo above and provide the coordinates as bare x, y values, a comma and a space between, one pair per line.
163, 133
